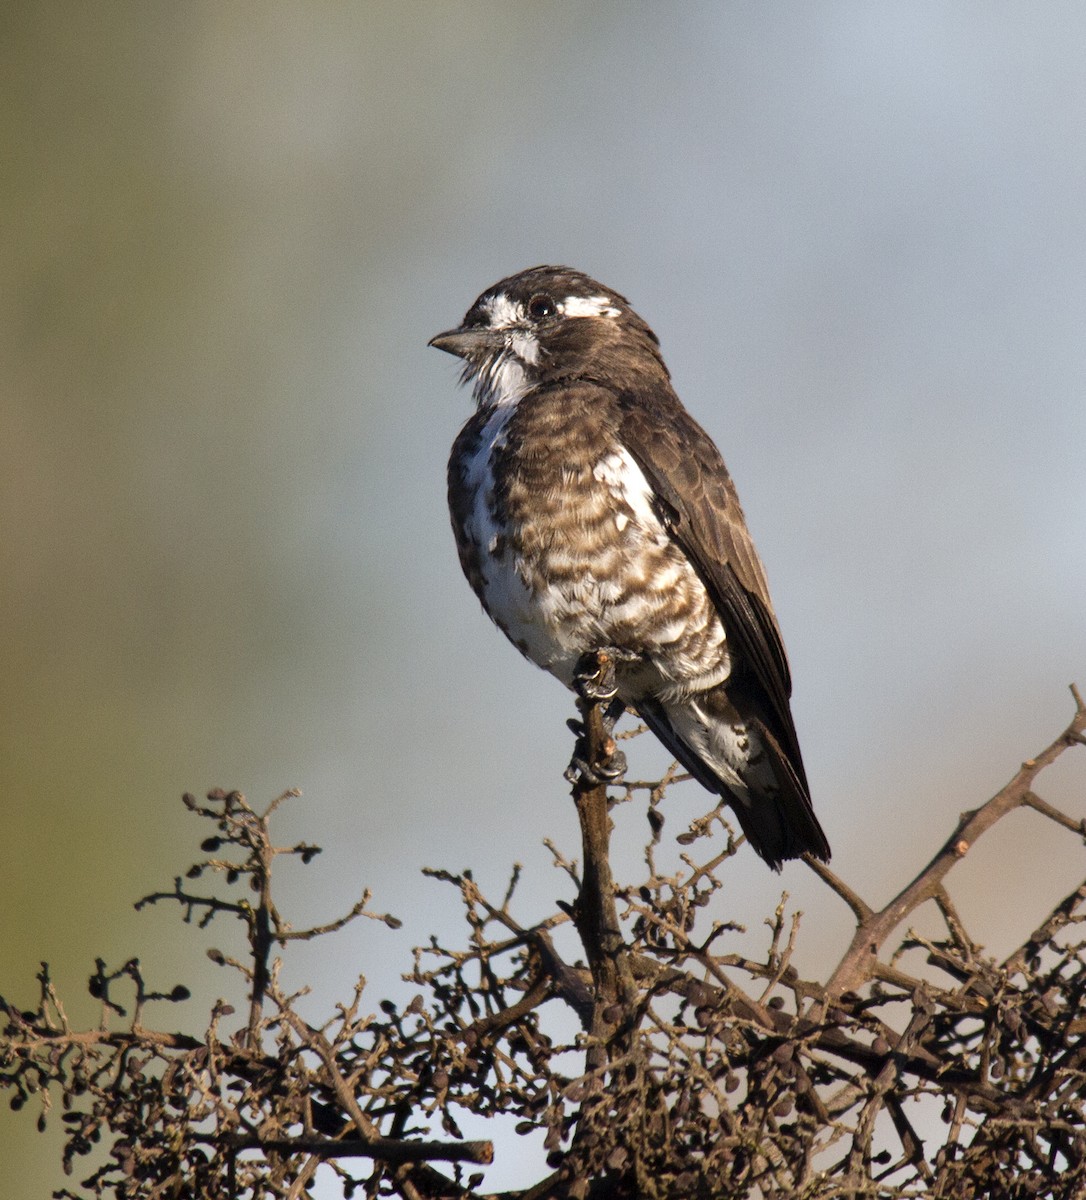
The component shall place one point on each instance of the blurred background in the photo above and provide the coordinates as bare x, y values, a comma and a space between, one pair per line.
229, 232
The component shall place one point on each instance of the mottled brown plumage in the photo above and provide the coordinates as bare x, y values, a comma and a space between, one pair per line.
592, 512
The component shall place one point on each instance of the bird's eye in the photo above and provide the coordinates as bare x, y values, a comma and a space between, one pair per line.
540, 307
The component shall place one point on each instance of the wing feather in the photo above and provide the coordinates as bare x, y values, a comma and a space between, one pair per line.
701, 508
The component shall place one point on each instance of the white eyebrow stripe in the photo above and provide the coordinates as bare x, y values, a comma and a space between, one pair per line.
588, 306
503, 312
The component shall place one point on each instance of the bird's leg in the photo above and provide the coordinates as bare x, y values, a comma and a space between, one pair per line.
596, 763
596, 759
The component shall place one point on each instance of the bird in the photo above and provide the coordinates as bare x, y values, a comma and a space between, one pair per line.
592, 513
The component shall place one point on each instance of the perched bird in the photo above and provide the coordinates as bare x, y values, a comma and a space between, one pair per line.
592, 512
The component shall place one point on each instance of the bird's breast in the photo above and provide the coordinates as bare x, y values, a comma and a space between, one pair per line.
559, 535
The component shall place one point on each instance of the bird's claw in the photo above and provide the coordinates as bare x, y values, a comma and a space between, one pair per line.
609, 716
596, 759
614, 767
594, 679
605, 771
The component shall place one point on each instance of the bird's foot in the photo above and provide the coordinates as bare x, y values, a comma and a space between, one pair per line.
596, 759
608, 716
594, 677
592, 774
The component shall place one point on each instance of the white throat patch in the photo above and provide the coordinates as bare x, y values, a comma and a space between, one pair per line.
501, 381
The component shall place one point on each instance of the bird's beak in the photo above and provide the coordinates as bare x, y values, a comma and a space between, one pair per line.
469, 342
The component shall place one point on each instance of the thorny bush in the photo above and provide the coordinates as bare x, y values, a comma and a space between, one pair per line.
696, 1071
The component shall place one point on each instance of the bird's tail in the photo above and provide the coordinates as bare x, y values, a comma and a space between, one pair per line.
772, 803
780, 822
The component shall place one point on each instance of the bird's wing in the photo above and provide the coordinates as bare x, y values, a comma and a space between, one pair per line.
699, 506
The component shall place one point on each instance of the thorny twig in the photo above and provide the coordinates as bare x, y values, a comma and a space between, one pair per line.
694, 1069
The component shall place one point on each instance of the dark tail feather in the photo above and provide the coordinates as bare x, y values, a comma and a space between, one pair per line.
778, 826
783, 825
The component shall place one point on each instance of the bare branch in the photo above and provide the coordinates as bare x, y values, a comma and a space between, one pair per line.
873, 929
698, 1068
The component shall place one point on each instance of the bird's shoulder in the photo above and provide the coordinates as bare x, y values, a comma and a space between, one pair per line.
687, 473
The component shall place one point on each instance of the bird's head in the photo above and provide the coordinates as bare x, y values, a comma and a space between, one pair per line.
550, 324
